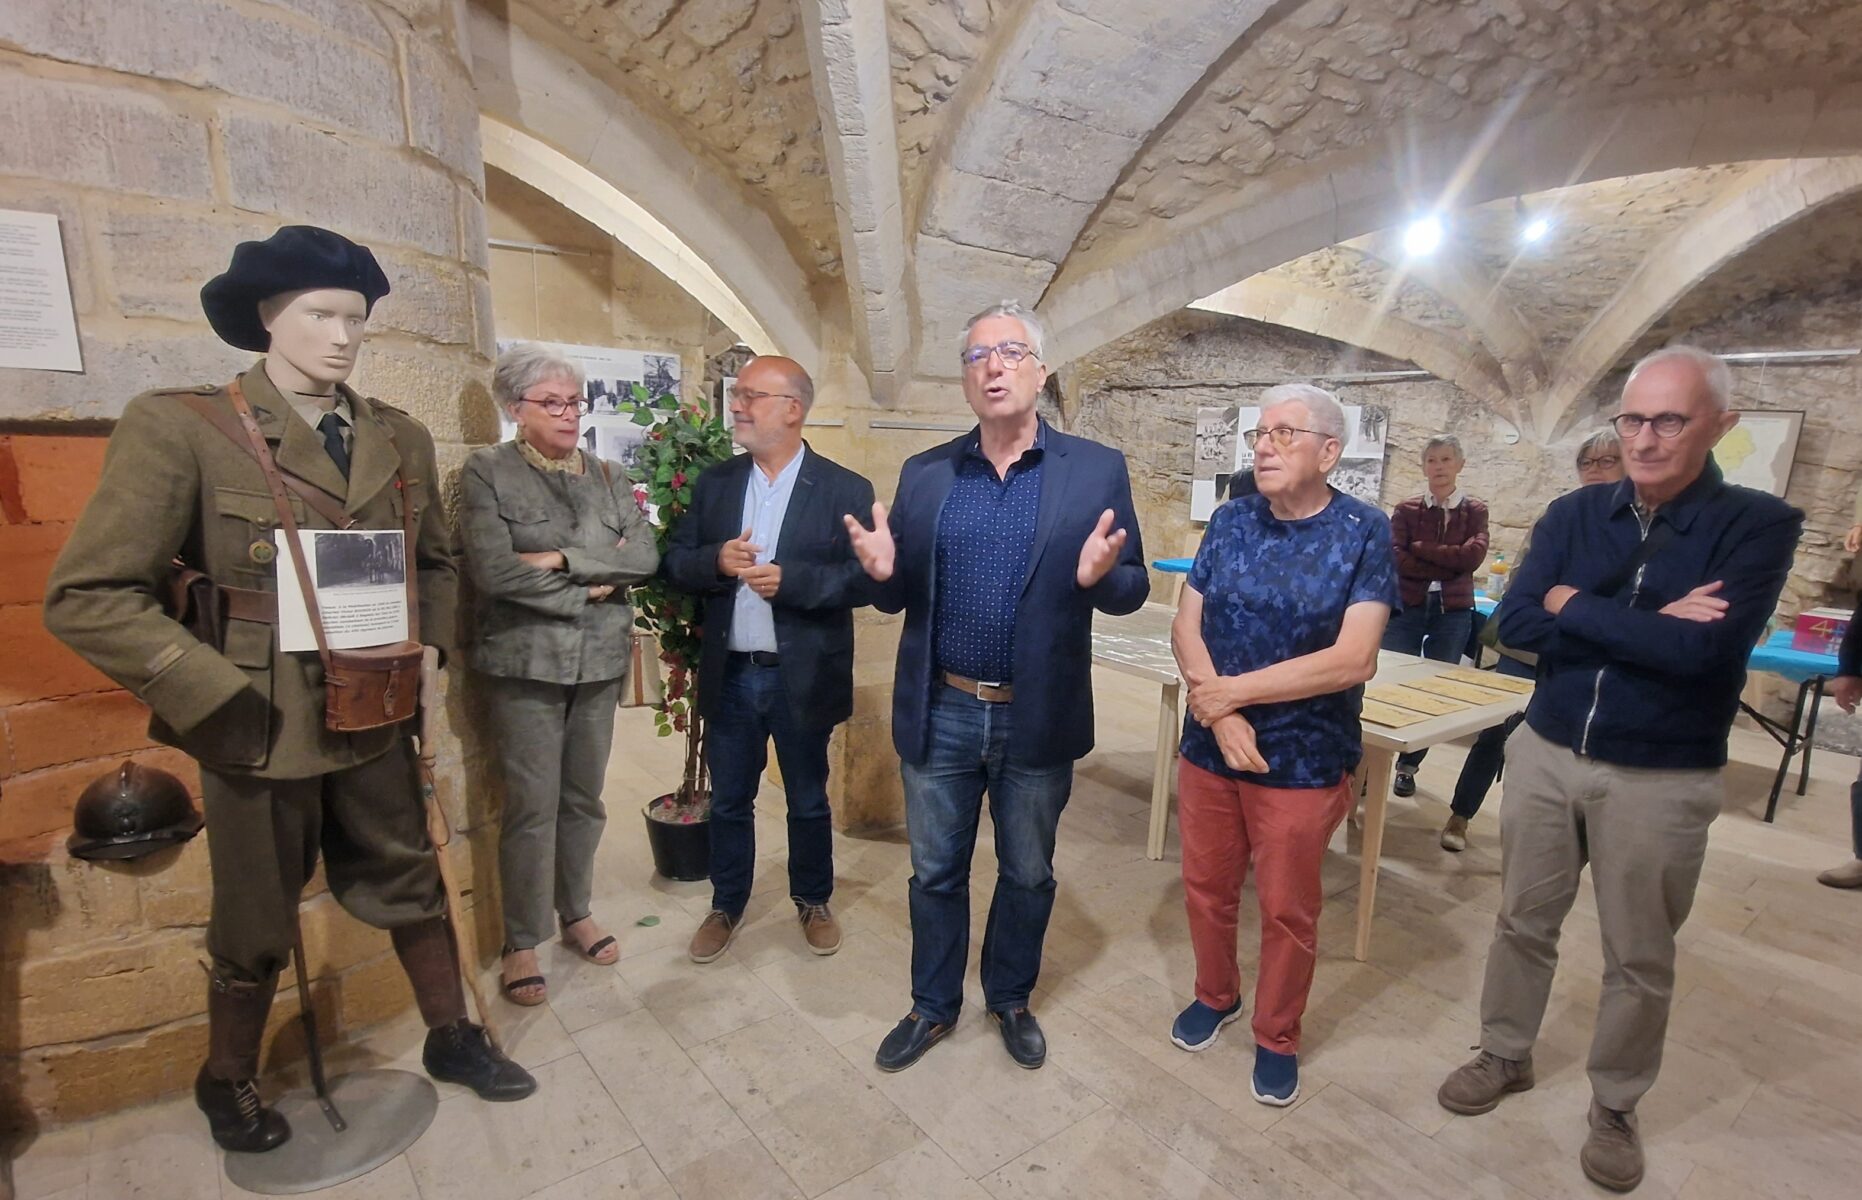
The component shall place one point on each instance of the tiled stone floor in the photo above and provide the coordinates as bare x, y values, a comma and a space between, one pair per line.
753, 1077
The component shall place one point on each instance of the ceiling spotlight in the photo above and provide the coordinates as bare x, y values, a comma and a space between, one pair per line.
1535, 230
1423, 236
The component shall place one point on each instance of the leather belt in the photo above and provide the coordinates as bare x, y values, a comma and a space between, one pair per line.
992, 693
245, 604
759, 658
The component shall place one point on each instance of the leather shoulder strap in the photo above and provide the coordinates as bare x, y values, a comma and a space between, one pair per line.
326, 506
263, 453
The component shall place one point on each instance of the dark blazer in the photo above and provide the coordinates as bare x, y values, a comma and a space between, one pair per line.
1053, 705
822, 582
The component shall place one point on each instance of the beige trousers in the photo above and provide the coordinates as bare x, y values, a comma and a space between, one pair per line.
1644, 835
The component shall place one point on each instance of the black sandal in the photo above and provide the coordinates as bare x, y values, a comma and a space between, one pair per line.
512, 987
593, 953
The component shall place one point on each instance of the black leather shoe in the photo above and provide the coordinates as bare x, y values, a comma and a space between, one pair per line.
461, 1053
239, 1122
1405, 782
1021, 1033
908, 1041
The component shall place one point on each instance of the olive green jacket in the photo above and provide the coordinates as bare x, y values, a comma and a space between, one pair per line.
173, 485
541, 625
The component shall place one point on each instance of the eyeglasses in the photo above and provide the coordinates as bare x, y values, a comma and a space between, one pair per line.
1282, 435
556, 406
1606, 462
1013, 353
1667, 425
742, 396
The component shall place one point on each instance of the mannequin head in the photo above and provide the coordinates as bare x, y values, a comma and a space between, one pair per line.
315, 337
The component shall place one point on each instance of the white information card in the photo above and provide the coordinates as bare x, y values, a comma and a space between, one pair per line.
361, 582
38, 330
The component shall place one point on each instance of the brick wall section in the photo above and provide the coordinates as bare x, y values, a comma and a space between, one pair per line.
161, 133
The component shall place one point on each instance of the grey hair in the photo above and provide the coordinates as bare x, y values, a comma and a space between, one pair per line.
1322, 407
1031, 324
524, 366
1444, 439
1601, 442
1713, 371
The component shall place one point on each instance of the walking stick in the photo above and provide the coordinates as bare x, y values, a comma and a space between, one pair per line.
440, 832
307, 1012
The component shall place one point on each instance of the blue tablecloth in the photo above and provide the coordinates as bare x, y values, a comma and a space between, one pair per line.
1176, 566
1776, 656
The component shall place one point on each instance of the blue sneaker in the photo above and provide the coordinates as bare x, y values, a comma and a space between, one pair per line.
1198, 1026
1276, 1077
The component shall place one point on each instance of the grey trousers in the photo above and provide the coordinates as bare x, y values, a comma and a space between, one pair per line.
1644, 835
553, 743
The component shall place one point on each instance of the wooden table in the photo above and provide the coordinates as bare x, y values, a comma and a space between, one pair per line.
1139, 645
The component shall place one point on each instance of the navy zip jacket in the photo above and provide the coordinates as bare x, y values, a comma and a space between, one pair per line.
1618, 680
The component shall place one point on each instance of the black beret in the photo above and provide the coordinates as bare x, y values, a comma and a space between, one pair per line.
295, 259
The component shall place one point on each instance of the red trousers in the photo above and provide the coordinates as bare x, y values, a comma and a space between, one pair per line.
1225, 824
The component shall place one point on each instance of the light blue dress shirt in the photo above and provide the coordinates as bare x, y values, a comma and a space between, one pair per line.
766, 503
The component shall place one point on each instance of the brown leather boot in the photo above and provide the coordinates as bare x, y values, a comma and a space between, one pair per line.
226, 1089
456, 1051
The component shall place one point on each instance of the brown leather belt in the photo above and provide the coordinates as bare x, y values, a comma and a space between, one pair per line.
245, 604
993, 693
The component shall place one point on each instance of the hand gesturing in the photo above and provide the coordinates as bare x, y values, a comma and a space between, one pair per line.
1101, 551
873, 547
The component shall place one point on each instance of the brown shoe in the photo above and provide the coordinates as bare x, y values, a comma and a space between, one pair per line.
714, 936
1849, 875
1477, 1086
1612, 1155
819, 927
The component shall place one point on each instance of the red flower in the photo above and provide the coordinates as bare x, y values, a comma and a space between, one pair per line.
678, 479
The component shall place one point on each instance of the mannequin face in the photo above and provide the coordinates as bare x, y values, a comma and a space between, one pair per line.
316, 336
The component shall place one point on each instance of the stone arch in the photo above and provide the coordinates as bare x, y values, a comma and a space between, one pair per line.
1771, 200
549, 120
1089, 306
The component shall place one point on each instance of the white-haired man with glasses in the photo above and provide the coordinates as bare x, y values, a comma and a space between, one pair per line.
999, 547
1642, 600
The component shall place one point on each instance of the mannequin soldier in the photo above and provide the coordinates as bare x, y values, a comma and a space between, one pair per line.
278, 785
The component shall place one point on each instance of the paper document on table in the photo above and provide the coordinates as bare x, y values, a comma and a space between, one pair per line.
1404, 696
1390, 716
361, 582
1443, 686
1489, 679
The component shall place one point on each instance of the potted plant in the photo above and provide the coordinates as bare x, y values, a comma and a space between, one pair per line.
681, 441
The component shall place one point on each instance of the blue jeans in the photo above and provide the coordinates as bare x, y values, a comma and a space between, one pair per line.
969, 752
1434, 634
752, 708
1488, 754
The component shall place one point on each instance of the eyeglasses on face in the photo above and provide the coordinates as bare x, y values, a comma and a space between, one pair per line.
556, 406
746, 397
1667, 425
1012, 354
1603, 462
1282, 435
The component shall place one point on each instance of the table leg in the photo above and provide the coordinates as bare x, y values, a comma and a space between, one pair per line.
1810, 732
1790, 747
1379, 767
1169, 723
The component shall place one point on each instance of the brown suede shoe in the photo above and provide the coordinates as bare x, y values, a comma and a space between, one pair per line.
714, 936
820, 928
1477, 1086
1612, 1155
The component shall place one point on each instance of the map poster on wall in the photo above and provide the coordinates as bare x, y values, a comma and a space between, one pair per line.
611, 373
1760, 450
1219, 453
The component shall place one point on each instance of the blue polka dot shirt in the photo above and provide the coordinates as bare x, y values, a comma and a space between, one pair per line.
985, 533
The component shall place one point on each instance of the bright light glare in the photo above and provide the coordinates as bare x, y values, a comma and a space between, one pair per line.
1535, 230
1423, 236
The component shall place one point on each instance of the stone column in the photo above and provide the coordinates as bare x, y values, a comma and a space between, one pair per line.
162, 132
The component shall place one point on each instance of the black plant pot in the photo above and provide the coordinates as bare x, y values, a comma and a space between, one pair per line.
681, 852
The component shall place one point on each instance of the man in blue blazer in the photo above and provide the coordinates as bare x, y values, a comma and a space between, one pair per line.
765, 545
999, 546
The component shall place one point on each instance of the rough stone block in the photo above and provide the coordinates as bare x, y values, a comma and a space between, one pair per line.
116, 370
372, 992
1004, 140
1193, 30
430, 300
102, 137
180, 893
28, 552
438, 387
52, 732
59, 902
442, 109
36, 666
210, 44
334, 941
158, 257
353, 19
114, 987
955, 283
69, 1083
978, 211
1084, 71
56, 474
368, 192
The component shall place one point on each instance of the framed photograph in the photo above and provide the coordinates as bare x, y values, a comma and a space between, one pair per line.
1760, 451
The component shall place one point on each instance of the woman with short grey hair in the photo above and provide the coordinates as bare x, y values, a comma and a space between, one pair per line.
552, 539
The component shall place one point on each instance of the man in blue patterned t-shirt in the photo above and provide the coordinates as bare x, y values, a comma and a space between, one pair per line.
1277, 630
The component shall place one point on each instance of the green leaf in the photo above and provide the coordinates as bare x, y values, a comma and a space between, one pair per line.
643, 416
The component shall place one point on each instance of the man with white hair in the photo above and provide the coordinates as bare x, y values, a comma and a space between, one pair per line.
1276, 633
1642, 600
1000, 546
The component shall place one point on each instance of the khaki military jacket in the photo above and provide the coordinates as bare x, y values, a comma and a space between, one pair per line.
173, 485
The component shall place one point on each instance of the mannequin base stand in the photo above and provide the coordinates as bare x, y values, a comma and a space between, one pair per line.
384, 1112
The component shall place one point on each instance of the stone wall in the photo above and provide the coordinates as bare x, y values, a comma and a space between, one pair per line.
162, 132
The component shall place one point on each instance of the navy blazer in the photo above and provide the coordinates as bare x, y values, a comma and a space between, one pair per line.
1053, 705
822, 582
